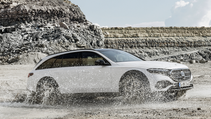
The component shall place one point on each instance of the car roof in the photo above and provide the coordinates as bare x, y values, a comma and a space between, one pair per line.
79, 50
104, 49
69, 51
56, 54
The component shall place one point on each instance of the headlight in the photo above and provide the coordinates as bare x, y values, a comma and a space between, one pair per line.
162, 84
159, 71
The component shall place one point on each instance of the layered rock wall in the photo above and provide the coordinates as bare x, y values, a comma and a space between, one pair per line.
130, 32
162, 43
149, 42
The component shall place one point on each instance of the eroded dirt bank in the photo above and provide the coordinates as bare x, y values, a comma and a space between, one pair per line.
196, 103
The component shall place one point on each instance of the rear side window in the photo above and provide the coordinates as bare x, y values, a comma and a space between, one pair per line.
47, 64
66, 60
89, 58
58, 62
71, 60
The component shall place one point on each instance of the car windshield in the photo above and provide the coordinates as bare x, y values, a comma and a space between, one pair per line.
119, 56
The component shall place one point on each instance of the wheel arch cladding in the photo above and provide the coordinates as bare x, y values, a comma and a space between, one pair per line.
135, 72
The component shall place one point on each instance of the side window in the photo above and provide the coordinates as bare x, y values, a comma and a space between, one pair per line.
71, 60
89, 58
47, 64
58, 62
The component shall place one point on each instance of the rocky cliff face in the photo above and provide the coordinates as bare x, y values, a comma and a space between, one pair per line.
40, 12
46, 26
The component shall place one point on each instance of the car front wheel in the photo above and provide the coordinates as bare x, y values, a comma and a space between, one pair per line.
134, 86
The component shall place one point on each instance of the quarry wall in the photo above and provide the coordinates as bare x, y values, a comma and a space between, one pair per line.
162, 43
131, 32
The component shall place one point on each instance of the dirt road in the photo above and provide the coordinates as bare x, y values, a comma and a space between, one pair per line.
196, 104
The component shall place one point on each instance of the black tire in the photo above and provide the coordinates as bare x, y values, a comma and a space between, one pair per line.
134, 86
174, 95
47, 92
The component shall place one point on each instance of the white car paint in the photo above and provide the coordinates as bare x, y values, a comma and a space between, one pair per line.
95, 79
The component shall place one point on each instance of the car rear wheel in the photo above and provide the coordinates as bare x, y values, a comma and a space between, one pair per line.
47, 92
134, 86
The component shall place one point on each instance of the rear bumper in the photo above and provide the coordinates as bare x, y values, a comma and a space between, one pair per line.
173, 88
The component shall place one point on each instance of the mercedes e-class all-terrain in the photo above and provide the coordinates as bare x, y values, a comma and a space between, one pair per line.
106, 71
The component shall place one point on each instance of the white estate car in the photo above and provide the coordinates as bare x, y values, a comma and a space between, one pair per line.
106, 70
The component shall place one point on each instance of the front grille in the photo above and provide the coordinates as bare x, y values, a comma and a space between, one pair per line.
179, 75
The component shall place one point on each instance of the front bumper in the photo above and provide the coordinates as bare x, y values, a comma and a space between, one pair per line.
155, 78
177, 88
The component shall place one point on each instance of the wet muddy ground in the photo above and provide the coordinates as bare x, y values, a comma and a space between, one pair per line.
196, 104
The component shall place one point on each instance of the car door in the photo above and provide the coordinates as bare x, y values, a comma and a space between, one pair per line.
92, 77
69, 73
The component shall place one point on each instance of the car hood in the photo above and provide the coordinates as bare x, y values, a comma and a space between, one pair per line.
152, 64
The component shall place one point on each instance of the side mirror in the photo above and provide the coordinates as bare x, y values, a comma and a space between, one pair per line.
101, 62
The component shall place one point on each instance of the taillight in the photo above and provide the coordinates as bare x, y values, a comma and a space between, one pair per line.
30, 74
